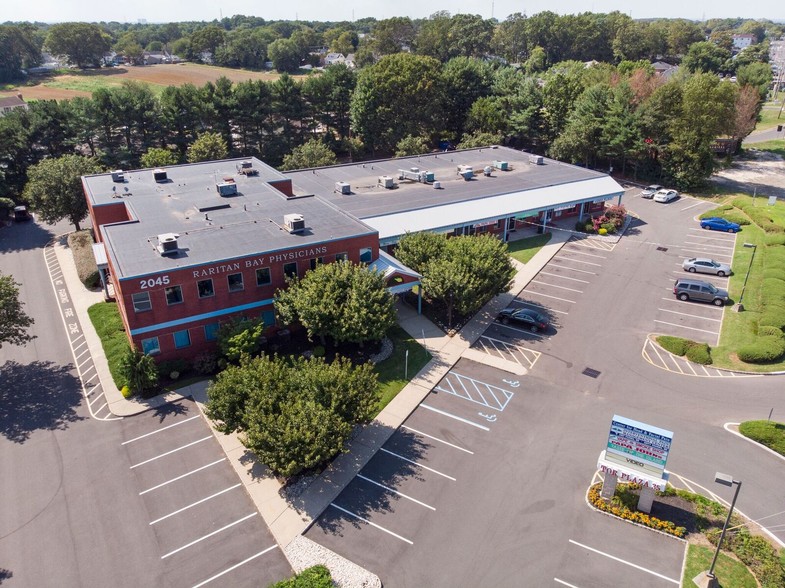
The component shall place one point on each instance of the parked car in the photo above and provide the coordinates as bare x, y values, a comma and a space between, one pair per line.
701, 291
526, 317
21, 214
650, 191
717, 223
666, 195
704, 265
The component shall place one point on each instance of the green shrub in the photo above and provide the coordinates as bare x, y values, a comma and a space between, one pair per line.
580, 226
609, 227
205, 363
240, 337
588, 227
139, 370
81, 244
763, 350
6, 206
676, 345
318, 351
759, 555
313, 577
699, 353
602, 231
728, 213
768, 330
775, 239
126, 392
773, 316
173, 366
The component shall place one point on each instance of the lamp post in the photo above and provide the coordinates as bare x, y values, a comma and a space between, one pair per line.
727, 481
754, 248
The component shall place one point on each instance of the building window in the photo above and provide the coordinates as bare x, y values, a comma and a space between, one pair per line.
150, 346
268, 316
205, 288
366, 255
290, 269
211, 331
182, 339
174, 295
235, 282
142, 301
263, 276
511, 223
500, 223
316, 261
342, 256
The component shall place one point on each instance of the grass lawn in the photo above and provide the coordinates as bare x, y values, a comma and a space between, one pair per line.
776, 146
109, 326
740, 328
768, 116
767, 433
731, 573
392, 376
524, 249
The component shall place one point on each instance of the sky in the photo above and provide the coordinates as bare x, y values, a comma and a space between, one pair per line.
154, 11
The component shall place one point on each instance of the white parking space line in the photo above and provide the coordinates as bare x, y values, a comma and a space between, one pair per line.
535, 305
704, 318
692, 206
564, 277
394, 491
160, 430
548, 296
577, 261
632, 565
419, 465
524, 331
555, 286
584, 253
351, 514
234, 567
171, 514
436, 439
495, 348
457, 418
563, 583
572, 269
709, 245
684, 327
171, 452
707, 253
221, 530
682, 302
161, 485
718, 235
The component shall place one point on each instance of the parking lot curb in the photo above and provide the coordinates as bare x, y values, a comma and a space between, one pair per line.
733, 428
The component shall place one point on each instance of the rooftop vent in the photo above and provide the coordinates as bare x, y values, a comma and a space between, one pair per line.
246, 168
159, 175
416, 175
167, 243
118, 176
226, 188
536, 159
343, 188
487, 171
501, 165
294, 223
386, 182
466, 171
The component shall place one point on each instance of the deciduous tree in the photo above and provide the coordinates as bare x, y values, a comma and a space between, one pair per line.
13, 320
207, 147
83, 44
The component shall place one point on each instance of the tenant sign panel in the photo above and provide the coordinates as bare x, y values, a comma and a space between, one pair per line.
638, 446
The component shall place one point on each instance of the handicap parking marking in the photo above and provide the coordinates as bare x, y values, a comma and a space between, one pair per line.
665, 360
476, 391
529, 356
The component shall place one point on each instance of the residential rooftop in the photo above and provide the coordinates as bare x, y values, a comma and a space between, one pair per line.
210, 228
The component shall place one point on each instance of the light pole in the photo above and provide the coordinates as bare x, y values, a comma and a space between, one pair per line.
754, 248
727, 481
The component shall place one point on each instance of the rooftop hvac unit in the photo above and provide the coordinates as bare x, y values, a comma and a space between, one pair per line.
294, 223
343, 188
167, 243
487, 170
226, 188
118, 176
386, 182
467, 174
463, 168
501, 165
536, 159
159, 175
246, 168
437, 185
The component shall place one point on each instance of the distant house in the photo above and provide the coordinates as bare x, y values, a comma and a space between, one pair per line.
9, 103
333, 58
664, 70
155, 57
742, 41
350, 61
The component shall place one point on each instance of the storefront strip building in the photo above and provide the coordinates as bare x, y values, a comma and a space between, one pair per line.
191, 246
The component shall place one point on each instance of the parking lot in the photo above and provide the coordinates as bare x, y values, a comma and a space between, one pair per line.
207, 529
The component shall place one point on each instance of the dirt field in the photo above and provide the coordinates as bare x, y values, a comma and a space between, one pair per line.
83, 83
760, 172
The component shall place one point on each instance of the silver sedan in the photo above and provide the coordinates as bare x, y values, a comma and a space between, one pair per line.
704, 265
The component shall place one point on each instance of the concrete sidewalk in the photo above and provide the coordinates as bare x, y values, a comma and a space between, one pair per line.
288, 517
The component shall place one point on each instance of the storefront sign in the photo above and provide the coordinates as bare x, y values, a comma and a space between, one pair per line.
259, 262
638, 446
630, 476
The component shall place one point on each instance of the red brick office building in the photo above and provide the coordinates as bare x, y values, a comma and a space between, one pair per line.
194, 245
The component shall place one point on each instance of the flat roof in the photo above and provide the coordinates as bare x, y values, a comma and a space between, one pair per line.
530, 185
210, 227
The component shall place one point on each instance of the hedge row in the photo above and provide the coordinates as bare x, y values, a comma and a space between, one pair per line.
757, 554
81, 244
759, 215
635, 516
727, 212
766, 349
692, 350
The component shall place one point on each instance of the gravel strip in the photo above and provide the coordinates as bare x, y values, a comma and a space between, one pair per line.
303, 553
